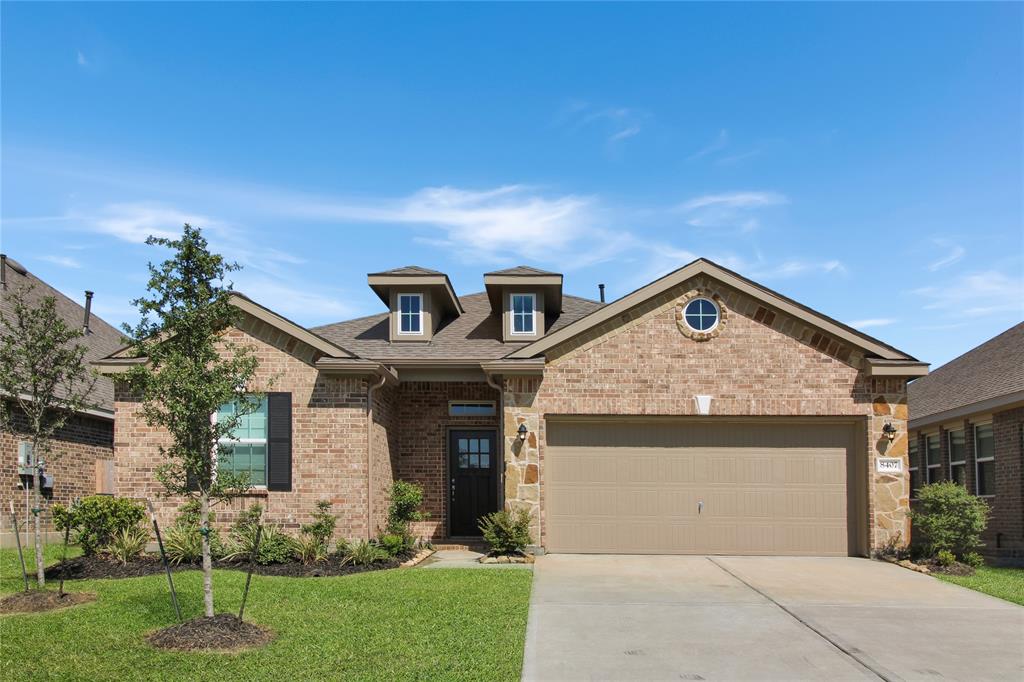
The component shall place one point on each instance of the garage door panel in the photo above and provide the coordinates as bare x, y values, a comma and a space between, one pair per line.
765, 489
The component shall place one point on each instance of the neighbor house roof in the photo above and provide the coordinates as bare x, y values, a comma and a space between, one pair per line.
475, 335
702, 266
989, 376
102, 339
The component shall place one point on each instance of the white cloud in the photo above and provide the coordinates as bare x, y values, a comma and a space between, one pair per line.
82, 61
135, 222
975, 295
720, 142
794, 268
308, 304
625, 133
63, 261
954, 253
732, 210
872, 322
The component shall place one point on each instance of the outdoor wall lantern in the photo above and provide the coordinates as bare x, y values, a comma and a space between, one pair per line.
522, 432
889, 431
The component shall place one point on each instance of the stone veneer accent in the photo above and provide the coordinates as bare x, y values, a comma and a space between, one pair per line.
72, 463
765, 363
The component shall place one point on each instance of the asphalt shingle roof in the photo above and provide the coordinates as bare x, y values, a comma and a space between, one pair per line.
102, 340
521, 270
474, 335
993, 369
409, 270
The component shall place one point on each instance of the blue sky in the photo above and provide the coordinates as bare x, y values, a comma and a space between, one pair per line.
865, 160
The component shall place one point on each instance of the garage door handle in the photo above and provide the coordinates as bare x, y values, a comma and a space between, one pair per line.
700, 507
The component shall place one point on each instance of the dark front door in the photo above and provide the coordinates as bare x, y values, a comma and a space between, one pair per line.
473, 467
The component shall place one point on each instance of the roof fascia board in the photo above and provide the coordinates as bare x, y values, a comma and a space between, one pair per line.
702, 267
1000, 402
357, 367
90, 411
380, 283
896, 368
513, 368
540, 280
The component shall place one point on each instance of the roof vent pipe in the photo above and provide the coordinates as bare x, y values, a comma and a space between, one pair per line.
600, 287
88, 311
3, 271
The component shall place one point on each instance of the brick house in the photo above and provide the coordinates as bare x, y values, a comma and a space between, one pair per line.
81, 460
967, 425
702, 413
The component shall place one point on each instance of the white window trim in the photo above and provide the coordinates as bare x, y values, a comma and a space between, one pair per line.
241, 441
489, 403
718, 315
512, 310
982, 460
928, 465
420, 314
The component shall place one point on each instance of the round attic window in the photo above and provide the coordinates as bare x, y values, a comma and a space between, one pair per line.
701, 314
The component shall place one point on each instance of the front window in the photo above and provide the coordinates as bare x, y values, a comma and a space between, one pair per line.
957, 457
915, 472
933, 459
244, 451
410, 314
523, 306
985, 459
471, 409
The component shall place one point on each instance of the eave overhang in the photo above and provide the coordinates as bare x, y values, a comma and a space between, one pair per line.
439, 285
549, 285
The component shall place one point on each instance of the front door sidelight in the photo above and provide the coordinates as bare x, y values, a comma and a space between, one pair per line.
473, 466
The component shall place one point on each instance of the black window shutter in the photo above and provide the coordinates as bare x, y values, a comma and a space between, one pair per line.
279, 441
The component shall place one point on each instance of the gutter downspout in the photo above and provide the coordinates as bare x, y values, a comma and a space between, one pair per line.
369, 450
501, 433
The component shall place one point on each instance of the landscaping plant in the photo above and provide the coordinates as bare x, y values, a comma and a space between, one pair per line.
404, 508
364, 553
183, 541
316, 536
44, 379
127, 544
274, 547
97, 519
190, 371
505, 532
948, 519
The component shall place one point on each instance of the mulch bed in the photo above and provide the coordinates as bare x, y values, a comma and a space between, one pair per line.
222, 633
35, 601
99, 567
955, 568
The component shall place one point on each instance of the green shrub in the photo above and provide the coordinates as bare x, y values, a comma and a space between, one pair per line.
322, 528
310, 550
949, 518
276, 546
127, 544
945, 558
973, 559
506, 533
395, 545
364, 553
406, 500
183, 542
97, 518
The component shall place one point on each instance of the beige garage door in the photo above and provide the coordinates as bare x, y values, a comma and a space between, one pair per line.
698, 487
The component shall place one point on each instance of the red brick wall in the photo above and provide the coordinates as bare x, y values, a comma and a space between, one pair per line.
423, 424
72, 462
329, 450
760, 363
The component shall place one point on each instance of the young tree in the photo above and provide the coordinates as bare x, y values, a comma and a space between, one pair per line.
44, 374
190, 372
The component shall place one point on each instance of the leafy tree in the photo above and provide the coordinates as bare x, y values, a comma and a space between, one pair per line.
43, 372
949, 519
191, 369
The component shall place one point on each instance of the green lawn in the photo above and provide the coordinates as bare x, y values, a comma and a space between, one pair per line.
1005, 583
453, 624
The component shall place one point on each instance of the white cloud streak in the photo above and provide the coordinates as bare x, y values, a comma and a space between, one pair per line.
80, 58
872, 322
720, 142
977, 294
955, 252
63, 261
730, 210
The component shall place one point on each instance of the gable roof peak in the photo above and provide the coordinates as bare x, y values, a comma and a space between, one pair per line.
522, 270
408, 270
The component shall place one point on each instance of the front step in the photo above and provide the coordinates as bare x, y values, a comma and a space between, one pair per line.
461, 545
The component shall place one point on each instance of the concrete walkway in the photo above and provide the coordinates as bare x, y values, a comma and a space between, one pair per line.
459, 558
762, 618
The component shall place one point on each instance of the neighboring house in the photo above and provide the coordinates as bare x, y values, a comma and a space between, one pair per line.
967, 425
81, 462
702, 413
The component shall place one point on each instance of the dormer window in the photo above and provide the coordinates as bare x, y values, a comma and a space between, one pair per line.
410, 314
523, 308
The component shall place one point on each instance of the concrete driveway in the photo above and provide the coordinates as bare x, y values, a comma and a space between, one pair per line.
762, 618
